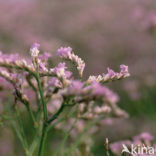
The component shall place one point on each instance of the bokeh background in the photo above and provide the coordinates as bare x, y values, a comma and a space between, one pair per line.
105, 33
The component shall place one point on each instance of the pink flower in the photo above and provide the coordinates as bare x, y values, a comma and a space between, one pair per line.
111, 72
34, 50
68, 74
144, 137
75, 88
64, 52
98, 90
111, 75
54, 82
117, 146
77, 85
124, 69
61, 72
9, 57
67, 53
42, 67
35, 45
45, 56
60, 69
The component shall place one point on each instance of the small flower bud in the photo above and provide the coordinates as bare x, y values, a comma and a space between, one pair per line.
34, 50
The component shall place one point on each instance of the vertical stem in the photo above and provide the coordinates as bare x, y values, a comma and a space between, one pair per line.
42, 96
45, 129
107, 147
31, 114
45, 112
19, 135
46, 122
21, 127
43, 138
107, 153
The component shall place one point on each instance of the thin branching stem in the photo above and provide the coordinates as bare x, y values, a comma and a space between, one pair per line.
56, 114
45, 112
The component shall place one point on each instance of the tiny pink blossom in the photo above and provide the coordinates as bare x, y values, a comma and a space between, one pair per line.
54, 82
64, 51
34, 50
45, 56
35, 45
124, 69
111, 72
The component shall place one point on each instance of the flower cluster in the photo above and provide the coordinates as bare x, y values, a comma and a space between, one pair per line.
111, 75
67, 53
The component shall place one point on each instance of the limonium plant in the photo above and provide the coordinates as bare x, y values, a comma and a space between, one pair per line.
54, 99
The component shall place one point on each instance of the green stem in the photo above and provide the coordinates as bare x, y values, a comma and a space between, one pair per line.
45, 113
43, 138
42, 96
21, 128
45, 129
46, 122
36, 138
35, 90
107, 153
31, 114
18, 133
56, 114
53, 125
34, 143
27, 107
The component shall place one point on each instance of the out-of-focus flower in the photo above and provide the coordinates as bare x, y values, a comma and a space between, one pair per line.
132, 88
142, 140
45, 56
145, 136
75, 87
42, 66
117, 147
54, 103
54, 82
9, 58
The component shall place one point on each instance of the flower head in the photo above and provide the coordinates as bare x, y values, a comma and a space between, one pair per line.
64, 52
74, 88
111, 73
54, 82
124, 70
67, 53
145, 136
9, 57
35, 50
102, 91
60, 70
45, 56
42, 66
